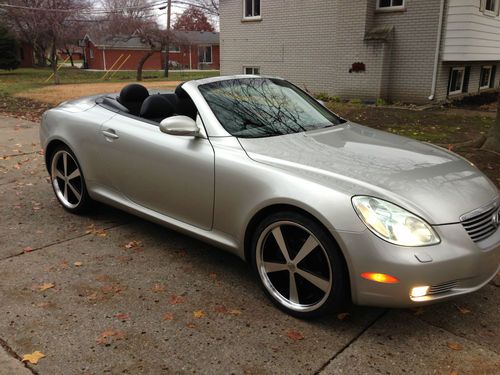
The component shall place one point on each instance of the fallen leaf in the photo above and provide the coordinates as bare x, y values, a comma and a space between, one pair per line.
191, 325
110, 335
28, 249
34, 357
454, 345
175, 299
78, 264
453, 373
158, 288
294, 335
224, 310
101, 233
463, 310
122, 316
199, 314
132, 244
44, 286
343, 316
168, 316
113, 288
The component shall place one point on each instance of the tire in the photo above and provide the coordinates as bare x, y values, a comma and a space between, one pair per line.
313, 280
68, 182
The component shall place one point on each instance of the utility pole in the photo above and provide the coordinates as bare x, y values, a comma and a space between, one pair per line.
167, 48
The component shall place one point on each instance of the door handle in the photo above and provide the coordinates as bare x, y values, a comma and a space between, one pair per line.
110, 133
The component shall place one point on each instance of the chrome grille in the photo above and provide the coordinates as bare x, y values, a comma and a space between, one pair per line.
482, 225
442, 288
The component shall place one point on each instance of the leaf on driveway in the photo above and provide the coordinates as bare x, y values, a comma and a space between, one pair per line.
109, 336
34, 357
158, 287
224, 310
43, 286
101, 233
198, 314
78, 264
294, 335
122, 316
343, 316
176, 300
113, 288
191, 325
463, 310
28, 249
168, 316
132, 244
454, 345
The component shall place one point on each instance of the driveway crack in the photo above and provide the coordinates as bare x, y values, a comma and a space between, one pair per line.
13, 354
352, 341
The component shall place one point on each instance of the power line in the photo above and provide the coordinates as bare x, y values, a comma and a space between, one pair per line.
85, 10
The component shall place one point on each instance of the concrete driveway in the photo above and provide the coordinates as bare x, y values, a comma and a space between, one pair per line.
111, 293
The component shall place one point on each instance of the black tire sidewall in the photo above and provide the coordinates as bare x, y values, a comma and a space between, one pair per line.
338, 297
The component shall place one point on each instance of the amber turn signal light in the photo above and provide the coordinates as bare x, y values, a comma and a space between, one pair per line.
379, 277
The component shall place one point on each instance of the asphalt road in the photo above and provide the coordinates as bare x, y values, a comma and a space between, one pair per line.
109, 293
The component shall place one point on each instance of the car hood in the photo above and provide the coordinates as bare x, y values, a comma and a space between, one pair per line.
425, 179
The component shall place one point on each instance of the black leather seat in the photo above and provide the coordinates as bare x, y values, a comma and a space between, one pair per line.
156, 108
185, 105
132, 96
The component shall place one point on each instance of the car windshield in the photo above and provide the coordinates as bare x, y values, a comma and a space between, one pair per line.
265, 107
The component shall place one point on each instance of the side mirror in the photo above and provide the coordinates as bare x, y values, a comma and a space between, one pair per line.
179, 125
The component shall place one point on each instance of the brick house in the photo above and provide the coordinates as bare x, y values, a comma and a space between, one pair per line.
26, 55
188, 50
399, 50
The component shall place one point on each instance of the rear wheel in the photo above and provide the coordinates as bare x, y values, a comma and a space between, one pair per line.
68, 181
299, 265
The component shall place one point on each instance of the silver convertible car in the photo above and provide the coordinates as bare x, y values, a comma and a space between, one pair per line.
327, 211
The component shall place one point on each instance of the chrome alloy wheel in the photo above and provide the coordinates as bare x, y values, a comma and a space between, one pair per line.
294, 266
66, 179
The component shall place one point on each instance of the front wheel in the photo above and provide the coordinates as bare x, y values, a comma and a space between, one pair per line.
68, 182
299, 265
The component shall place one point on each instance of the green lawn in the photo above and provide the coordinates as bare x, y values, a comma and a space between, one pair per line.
24, 79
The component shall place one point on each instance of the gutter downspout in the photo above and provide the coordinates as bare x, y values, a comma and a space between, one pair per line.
438, 50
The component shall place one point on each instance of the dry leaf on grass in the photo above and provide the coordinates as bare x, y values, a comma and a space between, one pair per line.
294, 335
454, 345
34, 357
198, 314
110, 335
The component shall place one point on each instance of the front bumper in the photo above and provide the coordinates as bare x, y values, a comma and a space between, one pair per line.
454, 267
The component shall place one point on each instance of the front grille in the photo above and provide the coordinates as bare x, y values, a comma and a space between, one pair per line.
442, 288
483, 225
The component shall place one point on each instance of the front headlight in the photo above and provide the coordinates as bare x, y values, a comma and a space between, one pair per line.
394, 224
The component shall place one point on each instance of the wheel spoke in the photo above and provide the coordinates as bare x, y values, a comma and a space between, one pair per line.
74, 174
322, 284
294, 295
77, 194
274, 267
59, 174
65, 163
65, 193
278, 236
304, 251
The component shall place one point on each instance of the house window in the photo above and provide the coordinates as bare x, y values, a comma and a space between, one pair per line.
91, 52
251, 70
205, 54
390, 4
490, 5
251, 8
486, 75
174, 49
456, 80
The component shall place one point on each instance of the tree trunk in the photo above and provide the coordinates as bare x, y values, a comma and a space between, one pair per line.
146, 56
53, 57
493, 141
70, 54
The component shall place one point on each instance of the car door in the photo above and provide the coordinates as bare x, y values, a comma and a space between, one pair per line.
172, 175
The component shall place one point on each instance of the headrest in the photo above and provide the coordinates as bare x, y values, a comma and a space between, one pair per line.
156, 108
133, 93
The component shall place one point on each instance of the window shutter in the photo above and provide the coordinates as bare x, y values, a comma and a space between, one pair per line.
482, 5
493, 74
465, 87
